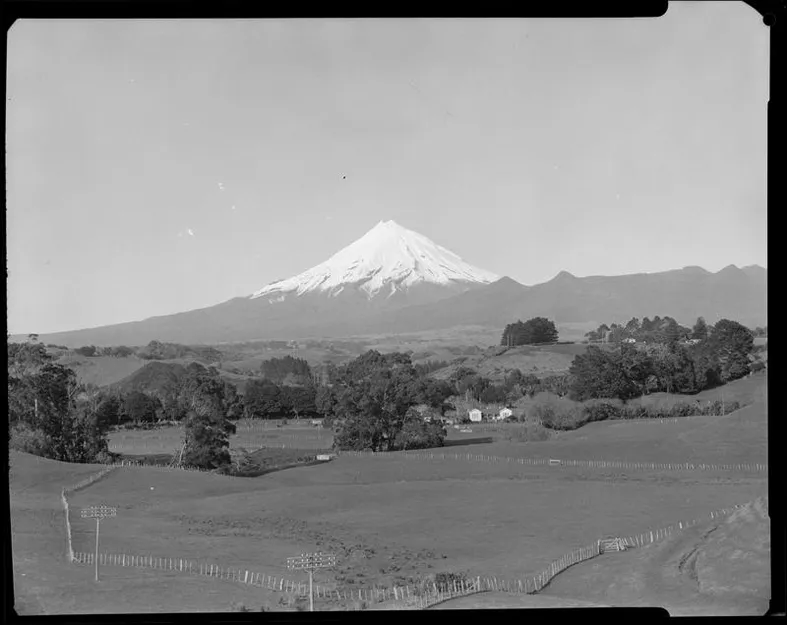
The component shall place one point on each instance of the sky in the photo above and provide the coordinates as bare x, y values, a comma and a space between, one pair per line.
155, 167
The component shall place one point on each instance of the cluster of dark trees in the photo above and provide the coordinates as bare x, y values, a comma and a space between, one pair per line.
170, 402
468, 382
535, 330
555, 417
119, 351
264, 399
287, 370
380, 401
632, 370
156, 350
658, 330
50, 413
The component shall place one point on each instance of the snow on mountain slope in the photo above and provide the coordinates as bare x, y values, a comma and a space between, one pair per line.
386, 260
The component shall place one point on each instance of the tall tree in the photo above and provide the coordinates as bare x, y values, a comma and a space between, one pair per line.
207, 428
376, 395
600, 374
535, 330
730, 343
700, 329
262, 399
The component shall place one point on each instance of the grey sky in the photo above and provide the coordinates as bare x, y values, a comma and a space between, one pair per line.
160, 166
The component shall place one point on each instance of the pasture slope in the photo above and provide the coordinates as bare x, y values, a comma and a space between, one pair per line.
719, 568
46, 583
390, 519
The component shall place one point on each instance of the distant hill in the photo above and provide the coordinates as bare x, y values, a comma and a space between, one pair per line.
684, 294
154, 377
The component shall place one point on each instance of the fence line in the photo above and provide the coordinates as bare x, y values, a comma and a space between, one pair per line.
64, 500
594, 464
537, 582
70, 548
253, 578
420, 597
406, 597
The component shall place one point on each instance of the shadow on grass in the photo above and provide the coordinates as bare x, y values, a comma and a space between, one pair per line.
262, 467
154, 460
468, 441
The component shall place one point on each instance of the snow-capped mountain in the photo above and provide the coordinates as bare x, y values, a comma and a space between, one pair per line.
388, 260
394, 280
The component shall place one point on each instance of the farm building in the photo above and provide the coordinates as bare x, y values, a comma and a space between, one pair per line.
504, 413
475, 415
317, 422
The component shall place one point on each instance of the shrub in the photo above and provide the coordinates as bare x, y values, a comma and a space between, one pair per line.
106, 457
416, 434
445, 581
718, 408
601, 410
28, 440
542, 413
681, 410
529, 432
566, 419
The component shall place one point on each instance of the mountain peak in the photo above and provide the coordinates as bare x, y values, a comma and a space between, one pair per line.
564, 275
387, 259
695, 269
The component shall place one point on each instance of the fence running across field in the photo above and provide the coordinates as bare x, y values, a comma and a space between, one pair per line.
83, 484
407, 597
593, 464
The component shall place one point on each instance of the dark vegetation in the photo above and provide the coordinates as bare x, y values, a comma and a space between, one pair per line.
376, 402
725, 353
532, 332
572, 417
50, 413
381, 402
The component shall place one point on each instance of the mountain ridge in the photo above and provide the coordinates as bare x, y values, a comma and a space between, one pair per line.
394, 280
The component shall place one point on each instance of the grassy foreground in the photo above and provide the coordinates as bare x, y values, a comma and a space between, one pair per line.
389, 519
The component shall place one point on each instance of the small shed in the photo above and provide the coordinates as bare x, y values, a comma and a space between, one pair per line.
505, 413
475, 415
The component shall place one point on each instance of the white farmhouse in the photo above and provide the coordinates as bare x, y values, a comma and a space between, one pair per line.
504, 413
475, 415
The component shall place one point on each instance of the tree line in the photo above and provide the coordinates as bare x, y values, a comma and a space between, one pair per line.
533, 331
375, 401
722, 355
52, 414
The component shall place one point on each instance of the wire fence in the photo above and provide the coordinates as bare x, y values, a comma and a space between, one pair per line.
593, 464
404, 597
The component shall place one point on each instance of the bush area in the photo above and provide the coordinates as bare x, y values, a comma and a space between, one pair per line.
573, 417
527, 433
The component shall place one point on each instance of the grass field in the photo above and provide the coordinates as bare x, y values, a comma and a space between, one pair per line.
167, 440
102, 370
720, 567
390, 519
